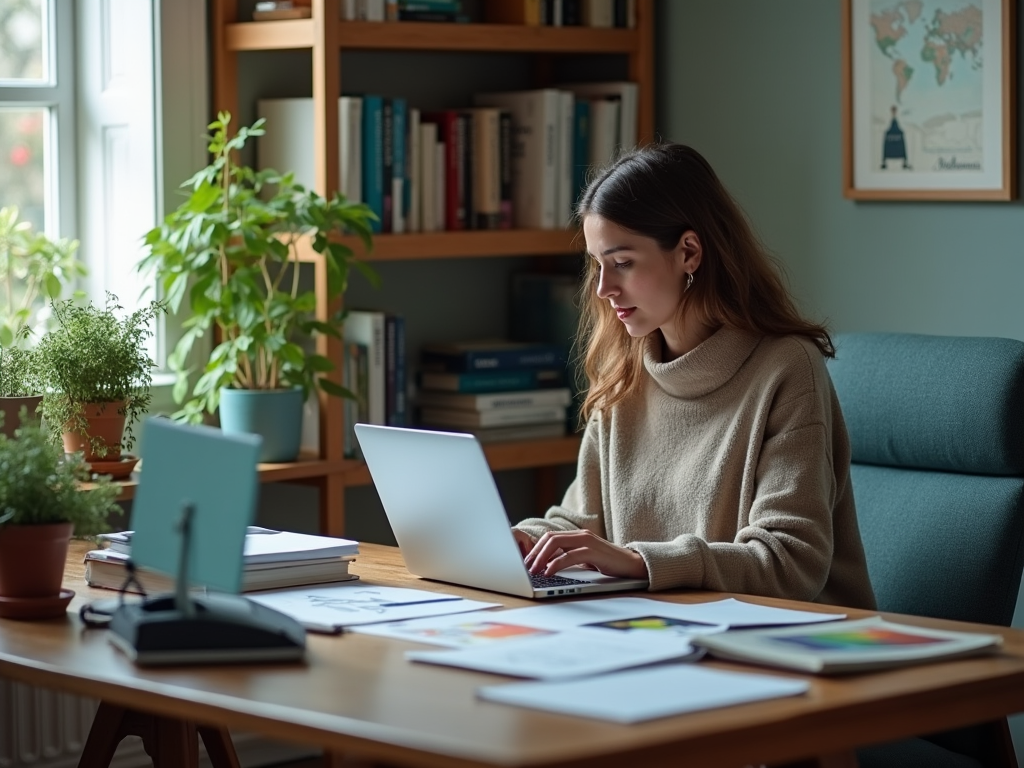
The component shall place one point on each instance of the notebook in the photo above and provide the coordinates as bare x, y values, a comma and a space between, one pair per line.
440, 498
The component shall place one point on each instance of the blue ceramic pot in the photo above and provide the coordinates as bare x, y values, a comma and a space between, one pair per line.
273, 414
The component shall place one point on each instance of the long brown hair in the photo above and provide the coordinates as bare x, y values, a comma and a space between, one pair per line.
661, 192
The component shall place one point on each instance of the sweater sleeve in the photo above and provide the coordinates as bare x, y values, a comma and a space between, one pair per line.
783, 547
582, 506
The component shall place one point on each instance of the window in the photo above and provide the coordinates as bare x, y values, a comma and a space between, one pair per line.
37, 112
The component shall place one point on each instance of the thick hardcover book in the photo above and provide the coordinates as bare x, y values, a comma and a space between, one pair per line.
395, 366
486, 167
493, 381
367, 327
350, 132
428, 176
535, 132
413, 182
537, 398
373, 157
489, 356
447, 417
107, 570
847, 646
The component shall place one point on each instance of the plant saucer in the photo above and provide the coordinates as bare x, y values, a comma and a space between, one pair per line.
36, 607
117, 469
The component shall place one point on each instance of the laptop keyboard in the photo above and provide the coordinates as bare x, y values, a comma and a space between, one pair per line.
540, 581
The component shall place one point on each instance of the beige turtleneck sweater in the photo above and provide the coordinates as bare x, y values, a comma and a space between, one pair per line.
729, 471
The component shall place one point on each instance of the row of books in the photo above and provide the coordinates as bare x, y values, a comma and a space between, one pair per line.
272, 560
498, 390
515, 159
364, 10
563, 13
555, 13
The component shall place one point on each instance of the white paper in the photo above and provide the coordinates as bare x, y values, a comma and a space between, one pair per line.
328, 609
563, 655
645, 694
462, 630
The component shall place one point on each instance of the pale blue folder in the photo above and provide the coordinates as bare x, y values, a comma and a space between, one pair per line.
217, 474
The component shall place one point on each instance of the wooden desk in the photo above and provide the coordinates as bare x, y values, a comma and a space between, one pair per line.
358, 695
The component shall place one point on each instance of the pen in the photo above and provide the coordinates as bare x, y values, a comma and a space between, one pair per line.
421, 602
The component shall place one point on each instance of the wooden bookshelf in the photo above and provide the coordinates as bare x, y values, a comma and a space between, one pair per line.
326, 39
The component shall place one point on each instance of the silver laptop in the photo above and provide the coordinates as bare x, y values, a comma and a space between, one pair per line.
442, 503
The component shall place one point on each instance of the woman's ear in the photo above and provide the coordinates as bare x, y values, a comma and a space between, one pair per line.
690, 251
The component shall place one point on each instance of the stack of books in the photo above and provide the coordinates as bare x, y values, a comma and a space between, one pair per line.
497, 390
272, 560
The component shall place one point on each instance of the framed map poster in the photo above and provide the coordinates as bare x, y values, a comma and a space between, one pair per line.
928, 99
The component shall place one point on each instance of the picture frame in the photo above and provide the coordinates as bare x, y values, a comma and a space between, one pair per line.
929, 99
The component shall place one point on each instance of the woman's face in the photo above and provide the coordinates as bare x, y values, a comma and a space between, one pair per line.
643, 283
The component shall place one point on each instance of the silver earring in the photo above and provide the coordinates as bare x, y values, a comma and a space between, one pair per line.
689, 281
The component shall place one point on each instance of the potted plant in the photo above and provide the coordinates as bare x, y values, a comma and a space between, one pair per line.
96, 376
19, 384
41, 506
34, 270
233, 248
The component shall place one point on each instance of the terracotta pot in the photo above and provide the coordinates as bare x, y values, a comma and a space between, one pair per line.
32, 559
11, 408
105, 423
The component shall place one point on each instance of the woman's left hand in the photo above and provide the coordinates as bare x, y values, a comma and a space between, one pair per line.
557, 550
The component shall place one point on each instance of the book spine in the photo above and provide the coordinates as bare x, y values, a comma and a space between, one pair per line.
486, 168
373, 157
526, 12
399, 182
353, 353
388, 164
350, 124
564, 161
448, 134
571, 13
466, 210
413, 183
505, 205
428, 184
401, 375
486, 360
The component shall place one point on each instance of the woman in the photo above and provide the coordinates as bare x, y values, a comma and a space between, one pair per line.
715, 454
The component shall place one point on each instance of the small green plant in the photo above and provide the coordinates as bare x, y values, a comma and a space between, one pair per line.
234, 248
18, 374
96, 355
39, 486
35, 270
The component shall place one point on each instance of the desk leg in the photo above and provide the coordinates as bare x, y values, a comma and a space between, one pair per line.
170, 742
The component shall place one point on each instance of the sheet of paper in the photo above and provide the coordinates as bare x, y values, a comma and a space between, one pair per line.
563, 655
462, 630
645, 694
715, 616
331, 608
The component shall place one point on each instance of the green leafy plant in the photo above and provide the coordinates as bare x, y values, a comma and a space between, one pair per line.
96, 355
35, 271
19, 376
234, 248
39, 486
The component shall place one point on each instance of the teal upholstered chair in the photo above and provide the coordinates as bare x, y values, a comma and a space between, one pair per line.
937, 433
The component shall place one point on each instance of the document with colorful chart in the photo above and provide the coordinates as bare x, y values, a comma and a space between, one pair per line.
847, 646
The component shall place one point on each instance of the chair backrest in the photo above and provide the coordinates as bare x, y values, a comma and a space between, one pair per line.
937, 434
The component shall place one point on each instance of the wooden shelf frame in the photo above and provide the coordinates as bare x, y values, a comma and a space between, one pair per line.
326, 40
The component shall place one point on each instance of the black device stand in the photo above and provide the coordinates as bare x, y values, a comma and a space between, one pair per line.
184, 628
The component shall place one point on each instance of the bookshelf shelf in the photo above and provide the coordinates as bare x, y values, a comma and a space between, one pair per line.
421, 36
526, 454
325, 40
470, 244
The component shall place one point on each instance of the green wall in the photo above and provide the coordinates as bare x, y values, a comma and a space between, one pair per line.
755, 85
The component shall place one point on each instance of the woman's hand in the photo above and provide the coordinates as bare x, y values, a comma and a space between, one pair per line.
524, 540
554, 551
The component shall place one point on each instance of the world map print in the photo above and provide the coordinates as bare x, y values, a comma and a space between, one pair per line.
927, 65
